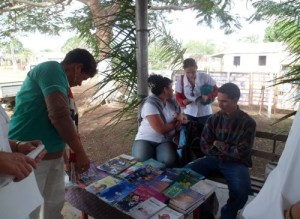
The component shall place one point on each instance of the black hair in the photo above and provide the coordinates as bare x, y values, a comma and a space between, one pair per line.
189, 63
83, 57
157, 83
231, 90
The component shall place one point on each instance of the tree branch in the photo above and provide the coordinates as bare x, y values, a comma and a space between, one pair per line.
173, 7
22, 4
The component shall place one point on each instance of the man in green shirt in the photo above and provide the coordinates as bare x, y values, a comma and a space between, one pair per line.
43, 112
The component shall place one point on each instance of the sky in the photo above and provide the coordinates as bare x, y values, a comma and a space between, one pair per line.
184, 28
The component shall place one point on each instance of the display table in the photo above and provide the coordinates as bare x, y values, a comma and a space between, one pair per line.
91, 205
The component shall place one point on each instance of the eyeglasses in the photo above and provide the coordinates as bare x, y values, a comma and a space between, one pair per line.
192, 91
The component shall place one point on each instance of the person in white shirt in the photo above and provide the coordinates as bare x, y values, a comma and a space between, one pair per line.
195, 92
159, 118
14, 164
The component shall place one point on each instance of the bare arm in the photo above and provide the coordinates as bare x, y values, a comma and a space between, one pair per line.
293, 212
159, 126
59, 114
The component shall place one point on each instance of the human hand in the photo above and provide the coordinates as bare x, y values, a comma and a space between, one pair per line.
82, 162
182, 118
220, 145
25, 147
16, 164
204, 98
186, 102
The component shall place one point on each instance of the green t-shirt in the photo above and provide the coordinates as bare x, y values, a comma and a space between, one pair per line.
30, 120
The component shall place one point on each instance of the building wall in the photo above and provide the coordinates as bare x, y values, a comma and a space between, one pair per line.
250, 62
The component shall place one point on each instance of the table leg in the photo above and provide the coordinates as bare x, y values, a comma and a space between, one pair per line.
84, 215
196, 214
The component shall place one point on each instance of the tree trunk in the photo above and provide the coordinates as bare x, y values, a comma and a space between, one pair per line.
103, 18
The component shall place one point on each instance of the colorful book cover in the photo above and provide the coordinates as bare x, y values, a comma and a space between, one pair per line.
156, 164
98, 186
161, 182
131, 169
117, 164
167, 213
140, 194
186, 199
144, 175
117, 192
147, 208
92, 175
185, 180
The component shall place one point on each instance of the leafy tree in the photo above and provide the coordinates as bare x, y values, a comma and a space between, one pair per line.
74, 42
250, 39
285, 14
200, 48
275, 32
47, 16
108, 26
17, 53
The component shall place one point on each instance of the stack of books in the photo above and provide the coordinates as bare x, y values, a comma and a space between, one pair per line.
189, 199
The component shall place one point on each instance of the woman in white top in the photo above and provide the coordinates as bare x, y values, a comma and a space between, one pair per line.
195, 91
160, 117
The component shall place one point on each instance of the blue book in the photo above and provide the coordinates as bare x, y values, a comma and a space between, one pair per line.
144, 175
117, 192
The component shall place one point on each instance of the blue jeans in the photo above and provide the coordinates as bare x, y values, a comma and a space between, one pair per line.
201, 120
237, 178
164, 152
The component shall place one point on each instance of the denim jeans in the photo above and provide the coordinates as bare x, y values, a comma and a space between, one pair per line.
201, 120
164, 152
237, 178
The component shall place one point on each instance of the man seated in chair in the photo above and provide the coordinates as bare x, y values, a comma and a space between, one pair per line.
226, 141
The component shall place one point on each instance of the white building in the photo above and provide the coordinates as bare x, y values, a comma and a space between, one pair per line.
251, 57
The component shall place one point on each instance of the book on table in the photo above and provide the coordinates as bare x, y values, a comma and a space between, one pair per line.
144, 175
92, 175
131, 169
189, 199
146, 208
185, 179
117, 164
167, 213
140, 194
186, 201
162, 181
99, 185
156, 164
117, 192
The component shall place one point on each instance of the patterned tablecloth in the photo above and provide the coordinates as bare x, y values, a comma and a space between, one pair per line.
92, 205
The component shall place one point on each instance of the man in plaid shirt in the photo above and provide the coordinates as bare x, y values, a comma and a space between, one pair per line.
227, 140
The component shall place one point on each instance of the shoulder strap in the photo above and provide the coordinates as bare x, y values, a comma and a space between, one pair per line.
182, 91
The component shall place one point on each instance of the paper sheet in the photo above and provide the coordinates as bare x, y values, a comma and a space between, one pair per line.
18, 200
